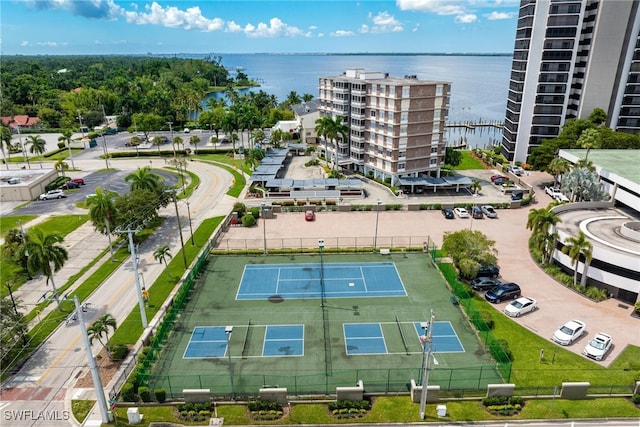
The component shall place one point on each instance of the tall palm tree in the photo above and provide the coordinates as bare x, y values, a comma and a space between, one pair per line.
5, 142
557, 167
229, 126
103, 212
46, 255
144, 179
162, 253
323, 128
176, 141
66, 137
61, 166
157, 141
194, 140
589, 138
38, 146
476, 186
575, 247
101, 327
542, 222
332, 130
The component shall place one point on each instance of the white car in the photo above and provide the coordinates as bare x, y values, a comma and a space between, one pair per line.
520, 306
556, 194
516, 170
569, 332
53, 194
489, 211
598, 346
461, 212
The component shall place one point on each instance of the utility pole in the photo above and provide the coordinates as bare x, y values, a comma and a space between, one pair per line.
427, 362
134, 262
175, 202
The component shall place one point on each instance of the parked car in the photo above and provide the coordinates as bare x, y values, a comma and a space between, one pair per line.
78, 181
448, 213
484, 283
516, 170
569, 332
309, 216
461, 212
502, 180
476, 212
489, 211
517, 195
556, 194
503, 292
598, 347
492, 271
69, 185
52, 194
522, 305
495, 177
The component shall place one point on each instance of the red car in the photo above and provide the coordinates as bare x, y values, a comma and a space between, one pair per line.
309, 215
78, 181
494, 177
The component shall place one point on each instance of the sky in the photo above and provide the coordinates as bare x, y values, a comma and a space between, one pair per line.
63, 27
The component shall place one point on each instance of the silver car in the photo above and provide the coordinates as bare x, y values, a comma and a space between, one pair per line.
53, 194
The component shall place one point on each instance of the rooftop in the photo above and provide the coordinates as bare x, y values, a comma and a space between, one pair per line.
623, 163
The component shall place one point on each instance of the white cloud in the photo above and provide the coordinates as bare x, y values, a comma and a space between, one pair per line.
342, 33
96, 9
466, 18
232, 27
364, 29
276, 28
440, 7
416, 28
384, 22
24, 43
496, 16
188, 19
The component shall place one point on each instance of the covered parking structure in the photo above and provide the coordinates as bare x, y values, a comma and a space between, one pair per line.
420, 184
332, 188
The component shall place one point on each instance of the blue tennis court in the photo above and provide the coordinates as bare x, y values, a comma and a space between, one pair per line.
443, 338
283, 340
339, 280
206, 342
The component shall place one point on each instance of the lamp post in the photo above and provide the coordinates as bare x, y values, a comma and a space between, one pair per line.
81, 128
190, 226
264, 226
321, 247
24, 152
175, 203
375, 238
228, 330
171, 133
136, 279
426, 364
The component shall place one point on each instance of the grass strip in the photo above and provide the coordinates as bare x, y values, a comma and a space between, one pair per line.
163, 285
239, 182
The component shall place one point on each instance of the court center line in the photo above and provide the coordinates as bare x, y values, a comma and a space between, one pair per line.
364, 282
277, 282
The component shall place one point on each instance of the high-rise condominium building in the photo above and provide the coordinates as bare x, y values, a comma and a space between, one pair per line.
569, 58
396, 125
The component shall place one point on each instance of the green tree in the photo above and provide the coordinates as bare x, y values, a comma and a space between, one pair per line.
13, 329
476, 186
469, 250
332, 130
575, 247
37, 145
157, 141
590, 138
5, 143
46, 255
194, 141
542, 223
162, 254
145, 123
99, 330
583, 185
144, 179
61, 166
177, 141
452, 157
102, 212
558, 167
138, 207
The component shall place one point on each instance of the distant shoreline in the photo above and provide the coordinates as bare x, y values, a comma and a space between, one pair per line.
215, 54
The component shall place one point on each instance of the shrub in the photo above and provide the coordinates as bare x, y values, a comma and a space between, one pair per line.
127, 392
636, 308
144, 393
636, 399
500, 351
255, 211
160, 394
241, 208
61, 144
119, 352
248, 220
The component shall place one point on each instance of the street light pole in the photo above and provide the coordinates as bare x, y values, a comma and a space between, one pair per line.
264, 226
228, 330
136, 279
24, 152
171, 133
375, 238
321, 247
184, 255
426, 364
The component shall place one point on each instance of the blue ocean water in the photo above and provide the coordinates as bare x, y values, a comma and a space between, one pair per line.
479, 84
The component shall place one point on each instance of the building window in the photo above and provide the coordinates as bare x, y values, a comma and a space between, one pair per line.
402, 154
405, 91
374, 88
381, 115
390, 116
402, 166
433, 162
392, 91
403, 130
434, 150
439, 90
436, 115
373, 113
404, 117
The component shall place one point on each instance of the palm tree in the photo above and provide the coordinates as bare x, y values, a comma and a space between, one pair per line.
575, 247
46, 255
101, 327
65, 137
5, 142
38, 146
542, 223
589, 138
333, 130
144, 179
194, 140
557, 167
476, 186
157, 141
61, 166
103, 212
323, 127
162, 253
176, 141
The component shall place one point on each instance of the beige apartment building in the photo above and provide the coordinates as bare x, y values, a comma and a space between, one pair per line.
396, 125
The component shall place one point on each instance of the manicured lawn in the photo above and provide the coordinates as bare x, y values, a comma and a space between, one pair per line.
9, 222
468, 162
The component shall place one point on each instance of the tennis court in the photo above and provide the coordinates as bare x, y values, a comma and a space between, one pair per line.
310, 347
336, 280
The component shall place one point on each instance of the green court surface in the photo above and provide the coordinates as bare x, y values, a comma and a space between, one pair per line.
301, 345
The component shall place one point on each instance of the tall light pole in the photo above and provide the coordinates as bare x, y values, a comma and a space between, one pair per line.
190, 226
136, 279
81, 127
264, 226
426, 363
171, 133
228, 330
175, 202
375, 238
321, 247
24, 152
